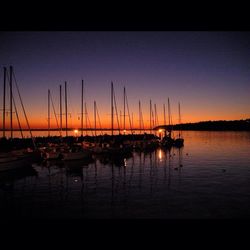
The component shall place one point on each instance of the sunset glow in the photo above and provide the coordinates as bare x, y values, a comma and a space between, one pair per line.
144, 125
207, 72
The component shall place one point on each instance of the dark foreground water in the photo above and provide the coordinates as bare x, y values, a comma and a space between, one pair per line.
208, 178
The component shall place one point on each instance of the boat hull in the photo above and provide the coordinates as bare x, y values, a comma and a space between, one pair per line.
179, 142
71, 156
10, 163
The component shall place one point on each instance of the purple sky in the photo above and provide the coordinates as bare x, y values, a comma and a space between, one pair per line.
208, 72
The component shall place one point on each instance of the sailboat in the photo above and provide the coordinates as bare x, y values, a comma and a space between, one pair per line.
76, 152
179, 142
10, 158
10, 161
167, 140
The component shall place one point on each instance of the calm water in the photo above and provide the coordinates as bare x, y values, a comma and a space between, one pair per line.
208, 178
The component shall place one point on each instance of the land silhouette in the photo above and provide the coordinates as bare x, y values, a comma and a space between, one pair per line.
235, 125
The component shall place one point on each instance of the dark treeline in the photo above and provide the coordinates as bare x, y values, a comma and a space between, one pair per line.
236, 125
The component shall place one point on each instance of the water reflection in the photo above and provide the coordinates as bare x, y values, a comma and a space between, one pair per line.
8, 178
163, 183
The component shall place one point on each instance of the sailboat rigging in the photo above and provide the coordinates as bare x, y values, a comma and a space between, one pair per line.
179, 141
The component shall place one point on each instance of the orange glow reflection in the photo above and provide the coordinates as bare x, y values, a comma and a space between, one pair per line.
160, 154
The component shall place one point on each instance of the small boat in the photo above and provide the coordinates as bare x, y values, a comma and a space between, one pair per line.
9, 161
68, 156
51, 152
179, 142
76, 152
167, 141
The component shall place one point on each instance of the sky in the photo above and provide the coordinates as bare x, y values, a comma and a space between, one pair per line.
207, 72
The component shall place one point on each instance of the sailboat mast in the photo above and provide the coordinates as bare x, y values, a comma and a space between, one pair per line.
164, 113
168, 112
11, 100
142, 122
130, 123
4, 93
60, 110
54, 111
155, 116
124, 109
140, 116
153, 119
82, 112
132, 119
112, 109
25, 115
169, 119
17, 116
86, 118
66, 110
150, 115
98, 117
48, 113
179, 108
95, 116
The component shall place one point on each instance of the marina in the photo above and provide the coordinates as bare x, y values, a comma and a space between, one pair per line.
113, 125
84, 147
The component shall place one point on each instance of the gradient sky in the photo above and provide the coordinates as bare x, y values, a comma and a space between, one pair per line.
208, 72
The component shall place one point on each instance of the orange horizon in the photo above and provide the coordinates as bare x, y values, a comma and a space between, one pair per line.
107, 124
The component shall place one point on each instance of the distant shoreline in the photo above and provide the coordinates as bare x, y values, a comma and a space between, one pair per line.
128, 131
237, 125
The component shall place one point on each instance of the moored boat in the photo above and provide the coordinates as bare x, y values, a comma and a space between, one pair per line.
76, 152
9, 161
179, 142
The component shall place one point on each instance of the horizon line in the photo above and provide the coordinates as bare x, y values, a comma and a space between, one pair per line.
127, 129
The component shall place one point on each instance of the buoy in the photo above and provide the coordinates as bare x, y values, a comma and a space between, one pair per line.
181, 165
175, 168
186, 153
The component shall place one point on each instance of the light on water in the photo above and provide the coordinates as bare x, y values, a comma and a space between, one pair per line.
160, 154
208, 178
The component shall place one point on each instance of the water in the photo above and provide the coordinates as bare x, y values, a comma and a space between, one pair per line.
208, 178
